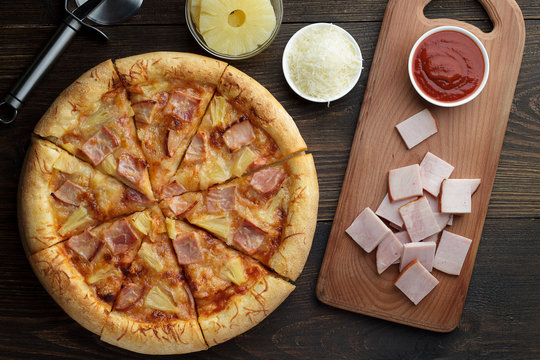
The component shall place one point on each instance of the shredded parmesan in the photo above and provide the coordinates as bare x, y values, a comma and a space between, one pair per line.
323, 62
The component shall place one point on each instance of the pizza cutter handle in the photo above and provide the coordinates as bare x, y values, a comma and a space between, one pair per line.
42, 63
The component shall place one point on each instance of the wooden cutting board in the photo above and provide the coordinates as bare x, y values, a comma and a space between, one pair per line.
470, 137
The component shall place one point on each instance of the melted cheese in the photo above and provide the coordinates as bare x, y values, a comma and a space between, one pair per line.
323, 62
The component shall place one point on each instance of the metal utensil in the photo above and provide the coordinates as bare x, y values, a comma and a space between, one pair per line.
103, 12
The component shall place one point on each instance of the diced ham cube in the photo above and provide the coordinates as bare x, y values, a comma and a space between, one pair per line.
188, 249
181, 106
417, 128
121, 237
218, 200
388, 251
85, 245
131, 168
239, 135
419, 219
416, 282
403, 238
180, 206
196, 152
423, 251
268, 180
174, 138
249, 237
144, 111
404, 183
442, 219
368, 230
455, 196
128, 296
172, 189
390, 210
433, 170
100, 145
69, 193
451, 253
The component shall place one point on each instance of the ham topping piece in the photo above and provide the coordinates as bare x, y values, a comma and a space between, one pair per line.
120, 237
174, 138
69, 193
416, 282
433, 170
131, 168
442, 219
249, 237
388, 251
368, 230
100, 145
239, 135
180, 206
419, 219
389, 210
268, 180
404, 183
456, 196
417, 128
173, 189
423, 251
144, 111
196, 151
218, 200
451, 253
84, 244
187, 247
128, 296
181, 106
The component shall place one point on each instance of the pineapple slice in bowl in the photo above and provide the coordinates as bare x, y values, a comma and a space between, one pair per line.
234, 29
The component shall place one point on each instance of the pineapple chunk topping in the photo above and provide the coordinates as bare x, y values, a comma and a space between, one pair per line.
102, 274
268, 213
244, 159
76, 220
142, 222
236, 27
109, 165
234, 271
171, 228
69, 147
218, 224
67, 164
216, 173
97, 118
218, 112
147, 253
157, 299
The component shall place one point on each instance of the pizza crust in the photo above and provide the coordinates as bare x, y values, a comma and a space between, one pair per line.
37, 225
245, 311
290, 258
69, 289
164, 65
177, 337
262, 108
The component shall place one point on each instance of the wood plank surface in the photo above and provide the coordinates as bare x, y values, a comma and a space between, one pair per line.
499, 320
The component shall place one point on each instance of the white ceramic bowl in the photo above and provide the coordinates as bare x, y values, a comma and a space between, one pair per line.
286, 68
465, 99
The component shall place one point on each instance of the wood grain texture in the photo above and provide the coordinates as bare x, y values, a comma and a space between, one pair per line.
500, 317
470, 137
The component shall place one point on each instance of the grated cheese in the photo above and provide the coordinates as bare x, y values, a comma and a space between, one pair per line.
323, 62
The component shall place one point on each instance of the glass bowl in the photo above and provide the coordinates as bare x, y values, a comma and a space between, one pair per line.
278, 10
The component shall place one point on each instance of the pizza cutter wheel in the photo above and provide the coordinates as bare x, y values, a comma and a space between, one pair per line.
103, 12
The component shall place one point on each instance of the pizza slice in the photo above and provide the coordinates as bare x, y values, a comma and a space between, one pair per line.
244, 129
92, 119
270, 215
169, 93
232, 292
61, 196
154, 312
84, 274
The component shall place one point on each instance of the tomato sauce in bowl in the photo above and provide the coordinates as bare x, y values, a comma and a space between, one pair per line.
448, 66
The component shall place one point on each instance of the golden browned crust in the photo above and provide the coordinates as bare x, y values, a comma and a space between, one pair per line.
297, 236
262, 108
245, 311
37, 224
166, 66
81, 97
69, 289
177, 337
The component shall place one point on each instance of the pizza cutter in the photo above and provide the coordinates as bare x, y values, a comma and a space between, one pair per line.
103, 12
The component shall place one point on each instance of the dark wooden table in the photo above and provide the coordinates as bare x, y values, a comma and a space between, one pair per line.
501, 316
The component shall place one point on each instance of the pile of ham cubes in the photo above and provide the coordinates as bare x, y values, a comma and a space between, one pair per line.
420, 203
